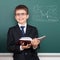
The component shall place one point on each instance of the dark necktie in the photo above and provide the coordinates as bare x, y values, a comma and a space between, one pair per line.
22, 29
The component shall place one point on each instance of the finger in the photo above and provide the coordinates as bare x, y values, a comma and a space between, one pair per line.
38, 41
22, 43
28, 45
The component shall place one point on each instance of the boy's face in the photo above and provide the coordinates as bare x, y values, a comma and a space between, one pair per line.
21, 16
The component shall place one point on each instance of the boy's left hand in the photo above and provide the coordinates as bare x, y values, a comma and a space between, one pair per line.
35, 42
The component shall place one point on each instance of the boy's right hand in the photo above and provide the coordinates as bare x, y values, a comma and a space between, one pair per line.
25, 46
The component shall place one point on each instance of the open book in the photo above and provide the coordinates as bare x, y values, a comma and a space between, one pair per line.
27, 40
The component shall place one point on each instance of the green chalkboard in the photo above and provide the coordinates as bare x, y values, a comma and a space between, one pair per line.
44, 14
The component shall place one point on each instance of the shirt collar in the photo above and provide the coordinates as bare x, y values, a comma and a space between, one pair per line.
22, 25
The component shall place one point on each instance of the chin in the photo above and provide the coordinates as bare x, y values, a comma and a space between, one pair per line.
21, 22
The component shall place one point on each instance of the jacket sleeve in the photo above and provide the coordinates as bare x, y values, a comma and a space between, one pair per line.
36, 36
35, 33
11, 44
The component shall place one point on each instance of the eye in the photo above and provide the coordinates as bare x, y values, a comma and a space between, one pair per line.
18, 14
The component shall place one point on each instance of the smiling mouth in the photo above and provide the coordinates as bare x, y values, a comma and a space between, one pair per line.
21, 19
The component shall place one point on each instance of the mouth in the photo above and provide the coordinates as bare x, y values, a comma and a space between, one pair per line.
21, 19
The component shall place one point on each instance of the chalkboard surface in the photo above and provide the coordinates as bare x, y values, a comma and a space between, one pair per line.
44, 14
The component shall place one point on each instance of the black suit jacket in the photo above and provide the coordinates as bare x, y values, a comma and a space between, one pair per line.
14, 34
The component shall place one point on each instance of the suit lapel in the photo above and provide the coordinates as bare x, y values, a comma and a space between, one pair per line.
19, 33
27, 31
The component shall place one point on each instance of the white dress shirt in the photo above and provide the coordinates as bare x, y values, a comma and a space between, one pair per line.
24, 32
24, 27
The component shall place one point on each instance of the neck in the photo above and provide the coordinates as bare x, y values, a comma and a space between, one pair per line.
22, 24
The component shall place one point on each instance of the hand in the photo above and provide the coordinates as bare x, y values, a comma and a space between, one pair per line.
26, 46
35, 42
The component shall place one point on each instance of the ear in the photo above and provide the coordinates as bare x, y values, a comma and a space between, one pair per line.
27, 16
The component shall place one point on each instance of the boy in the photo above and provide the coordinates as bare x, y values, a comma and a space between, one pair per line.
22, 29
